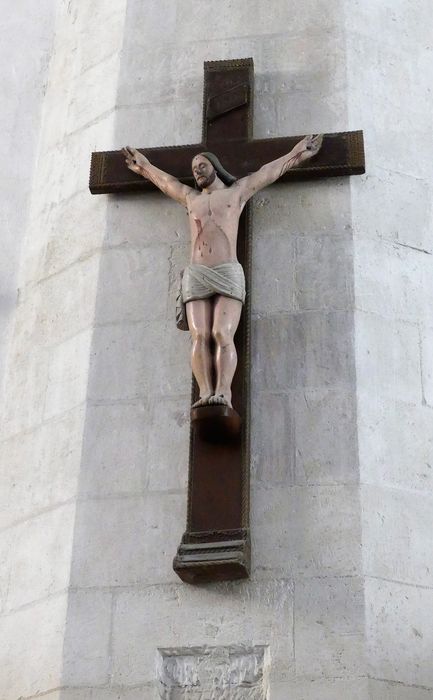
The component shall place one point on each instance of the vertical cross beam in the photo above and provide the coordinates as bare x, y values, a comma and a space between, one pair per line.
216, 543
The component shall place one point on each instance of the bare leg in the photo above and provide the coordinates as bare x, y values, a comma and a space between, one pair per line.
227, 313
199, 314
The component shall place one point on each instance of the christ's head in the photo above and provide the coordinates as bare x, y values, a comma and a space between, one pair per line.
206, 167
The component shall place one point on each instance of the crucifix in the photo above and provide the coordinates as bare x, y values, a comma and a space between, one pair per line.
216, 543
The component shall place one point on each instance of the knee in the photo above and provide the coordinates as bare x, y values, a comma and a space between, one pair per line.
222, 336
200, 336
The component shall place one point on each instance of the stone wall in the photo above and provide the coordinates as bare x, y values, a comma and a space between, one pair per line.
44, 407
305, 586
23, 77
95, 424
392, 223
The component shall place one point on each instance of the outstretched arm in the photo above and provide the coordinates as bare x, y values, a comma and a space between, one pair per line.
268, 173
168, 184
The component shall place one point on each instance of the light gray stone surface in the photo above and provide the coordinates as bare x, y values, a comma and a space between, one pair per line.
234, 673
250, 611
22, 85
322, 689
400, 639
31, 647
95, 416
46, 372
393, 265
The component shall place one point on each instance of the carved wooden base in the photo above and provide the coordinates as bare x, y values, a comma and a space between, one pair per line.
217, 560
216, 423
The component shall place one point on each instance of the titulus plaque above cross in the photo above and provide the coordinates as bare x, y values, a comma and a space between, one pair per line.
215, 180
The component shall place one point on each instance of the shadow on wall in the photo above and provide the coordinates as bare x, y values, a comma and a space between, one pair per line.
125, 600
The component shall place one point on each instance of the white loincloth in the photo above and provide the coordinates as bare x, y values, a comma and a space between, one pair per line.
202, 282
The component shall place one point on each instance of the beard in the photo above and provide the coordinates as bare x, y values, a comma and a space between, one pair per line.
206, 181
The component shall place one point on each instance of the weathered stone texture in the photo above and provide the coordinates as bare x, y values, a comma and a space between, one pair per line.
400, 640
22, 85
253, 612
228, 673
329, 627
46, 372
97, 394
31, 648
391, 217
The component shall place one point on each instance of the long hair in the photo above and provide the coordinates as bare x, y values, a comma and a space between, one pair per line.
222, 173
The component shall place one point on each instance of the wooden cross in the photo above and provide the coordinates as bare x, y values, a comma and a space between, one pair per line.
216, 543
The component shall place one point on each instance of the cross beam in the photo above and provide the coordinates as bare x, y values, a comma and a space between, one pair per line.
216, 543
341, 154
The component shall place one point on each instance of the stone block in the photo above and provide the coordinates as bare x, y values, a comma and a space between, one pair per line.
253, 613
387, 358
329, 627
101, 32
273, 287
236, 672
188, 114
304, 209
154, 24
63, 169
313, 531
408, 158
153, 220
145, 691
325, 436
396, 534
315, 108
41, 467
187, 69
147, 125
114, 450
86, 650
36, 557
127, 541
137, 86
60, 87
310, 87
133, 285
167, 459
403, 67
411, 18
54, 322
249, 18
21, 343
120, 366
395, 443
31, 649
382, 690
95, 94
75, 229
273, 354
427, 366
323, 273
273, 439
265, 108
400, 632
393, 281
27, 376
405, 216
68, 374
310, 349
322, 689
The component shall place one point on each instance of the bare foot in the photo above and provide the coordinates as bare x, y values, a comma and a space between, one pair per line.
219, 399
202, 401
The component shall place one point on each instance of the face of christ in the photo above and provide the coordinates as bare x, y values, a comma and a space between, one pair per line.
203, 171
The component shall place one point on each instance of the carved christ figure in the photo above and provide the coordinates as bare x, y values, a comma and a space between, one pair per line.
213, 284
